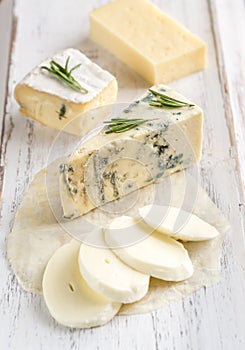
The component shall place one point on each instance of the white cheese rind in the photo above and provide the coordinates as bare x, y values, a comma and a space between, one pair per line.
51, 102
108, 166
177, 223
109, 276
89, 75
155, 254
68, 297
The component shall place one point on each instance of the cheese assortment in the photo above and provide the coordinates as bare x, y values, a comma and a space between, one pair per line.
85, 283
138, 256
147, 40
110, 165
51, 98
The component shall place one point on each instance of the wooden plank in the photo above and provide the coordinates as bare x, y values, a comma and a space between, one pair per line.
229, 30
208, 319
7, 33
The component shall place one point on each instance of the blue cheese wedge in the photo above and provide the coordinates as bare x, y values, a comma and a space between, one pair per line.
46, 99
109, 166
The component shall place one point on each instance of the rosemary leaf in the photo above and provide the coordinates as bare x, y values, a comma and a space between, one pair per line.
119, 125
63, 74
121, 128
121, 120
67, 63
72, 69
161, 101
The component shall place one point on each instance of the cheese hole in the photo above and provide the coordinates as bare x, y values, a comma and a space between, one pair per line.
71, 287
107, 261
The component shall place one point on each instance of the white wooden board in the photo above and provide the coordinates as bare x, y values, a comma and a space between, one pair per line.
211, 318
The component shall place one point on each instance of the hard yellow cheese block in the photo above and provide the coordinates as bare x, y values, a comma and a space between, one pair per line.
152, 43
49, 101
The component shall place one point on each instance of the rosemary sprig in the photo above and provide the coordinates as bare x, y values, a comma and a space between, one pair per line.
118, 125
162, 101
63, 74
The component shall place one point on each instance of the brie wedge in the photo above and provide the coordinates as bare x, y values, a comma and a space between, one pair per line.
106, 274
108, 166
177, 223
150, 253
46, 99
68, 297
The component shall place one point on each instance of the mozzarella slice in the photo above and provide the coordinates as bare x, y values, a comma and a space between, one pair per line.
157, 255
108, 275
68, 297
177, 223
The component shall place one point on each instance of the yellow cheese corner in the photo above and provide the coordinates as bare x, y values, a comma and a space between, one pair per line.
147, 40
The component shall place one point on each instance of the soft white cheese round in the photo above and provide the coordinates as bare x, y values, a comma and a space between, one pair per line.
177, 223
68, 297
89, 75
157, 255
108, 275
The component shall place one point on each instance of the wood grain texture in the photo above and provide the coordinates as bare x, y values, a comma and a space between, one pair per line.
209, 319
6, 38
229, 29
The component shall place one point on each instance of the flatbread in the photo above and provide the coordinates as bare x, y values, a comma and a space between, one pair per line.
39, 230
